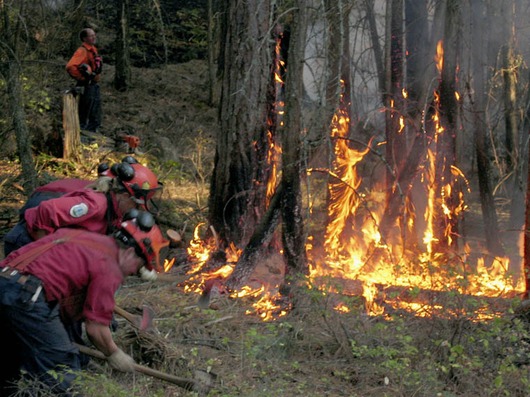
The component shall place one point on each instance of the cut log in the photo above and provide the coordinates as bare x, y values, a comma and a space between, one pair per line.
71, 127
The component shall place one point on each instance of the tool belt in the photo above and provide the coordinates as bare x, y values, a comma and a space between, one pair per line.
31, 285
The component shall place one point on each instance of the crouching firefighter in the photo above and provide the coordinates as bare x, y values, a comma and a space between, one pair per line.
69, 275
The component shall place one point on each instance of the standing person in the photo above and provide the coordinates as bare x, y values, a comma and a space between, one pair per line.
85, 67
68, 276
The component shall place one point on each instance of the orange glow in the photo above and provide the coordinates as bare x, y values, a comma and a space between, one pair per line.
355, 259
439, 57
168, 264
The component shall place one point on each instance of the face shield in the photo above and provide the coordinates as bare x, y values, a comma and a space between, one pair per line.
147, 199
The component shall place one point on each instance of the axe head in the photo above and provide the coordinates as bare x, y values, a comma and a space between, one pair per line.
146, 323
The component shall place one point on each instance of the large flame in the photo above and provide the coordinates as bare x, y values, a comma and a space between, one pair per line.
355, 259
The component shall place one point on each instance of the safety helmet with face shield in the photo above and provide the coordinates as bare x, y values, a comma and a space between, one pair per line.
139, 230
141, 184
104, 169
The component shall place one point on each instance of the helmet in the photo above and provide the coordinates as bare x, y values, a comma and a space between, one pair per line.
140, 182
104, 169
139, 230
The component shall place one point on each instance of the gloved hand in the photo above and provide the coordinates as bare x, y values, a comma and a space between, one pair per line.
85, 70
121, 361
148, 275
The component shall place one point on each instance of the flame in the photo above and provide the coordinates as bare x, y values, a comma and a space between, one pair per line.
439, 57
168, 264
355, 260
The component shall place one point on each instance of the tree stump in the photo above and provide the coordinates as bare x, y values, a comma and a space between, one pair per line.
71, 127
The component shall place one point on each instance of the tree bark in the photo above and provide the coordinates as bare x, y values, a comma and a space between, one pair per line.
11, 70
237, 192
122, 76
446, 227
293, 236
489, 214
72, 139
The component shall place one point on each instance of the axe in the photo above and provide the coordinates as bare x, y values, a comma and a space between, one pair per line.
143, 322
202, 383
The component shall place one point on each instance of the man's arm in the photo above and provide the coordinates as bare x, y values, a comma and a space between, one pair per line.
101, 337
72, 67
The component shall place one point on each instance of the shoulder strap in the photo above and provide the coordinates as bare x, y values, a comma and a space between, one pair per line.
23, 260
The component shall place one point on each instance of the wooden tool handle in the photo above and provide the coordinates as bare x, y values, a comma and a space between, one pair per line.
185, 383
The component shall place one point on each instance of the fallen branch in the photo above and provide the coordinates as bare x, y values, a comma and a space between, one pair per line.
188, 384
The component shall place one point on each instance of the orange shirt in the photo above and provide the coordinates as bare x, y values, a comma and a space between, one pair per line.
84, 54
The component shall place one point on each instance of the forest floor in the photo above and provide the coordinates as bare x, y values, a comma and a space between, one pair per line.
225, 347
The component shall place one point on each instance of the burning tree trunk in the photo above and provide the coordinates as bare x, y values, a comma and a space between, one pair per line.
527, 239
293, 224
237, 192
447, 192
396, 146
286, 203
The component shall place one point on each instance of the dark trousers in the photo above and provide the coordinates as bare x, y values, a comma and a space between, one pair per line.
34, 339
90, 108
19, 236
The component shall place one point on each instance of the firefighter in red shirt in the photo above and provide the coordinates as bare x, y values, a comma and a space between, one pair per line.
68, 276
85, 67
98, 209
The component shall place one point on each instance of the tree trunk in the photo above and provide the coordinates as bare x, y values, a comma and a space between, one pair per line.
446, 227
238, 187
71, 128
11, 70
293, 236
122, 76
396, 147
376, 45
418, 57
489, 214
527, 237
510, 107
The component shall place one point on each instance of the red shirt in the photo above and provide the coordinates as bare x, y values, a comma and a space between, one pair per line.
84, 54
64, 185
86, 209
83, 277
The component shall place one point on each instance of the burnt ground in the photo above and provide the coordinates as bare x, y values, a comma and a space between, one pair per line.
311, 351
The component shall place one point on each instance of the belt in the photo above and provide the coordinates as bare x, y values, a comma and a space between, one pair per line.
30, 283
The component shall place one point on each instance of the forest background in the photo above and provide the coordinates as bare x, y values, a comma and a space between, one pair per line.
186, 63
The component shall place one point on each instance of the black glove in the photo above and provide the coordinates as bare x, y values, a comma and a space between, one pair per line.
85, 70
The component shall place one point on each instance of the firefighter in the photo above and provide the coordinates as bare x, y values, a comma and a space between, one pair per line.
67, 276
85, 67
97, 207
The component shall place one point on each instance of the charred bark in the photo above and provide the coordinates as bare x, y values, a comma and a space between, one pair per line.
237, 192
418, 57
446, 227
527, 239
293, 236
258, 243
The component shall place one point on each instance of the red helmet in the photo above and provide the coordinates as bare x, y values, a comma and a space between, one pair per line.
140, 231
139, 181
104, 169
